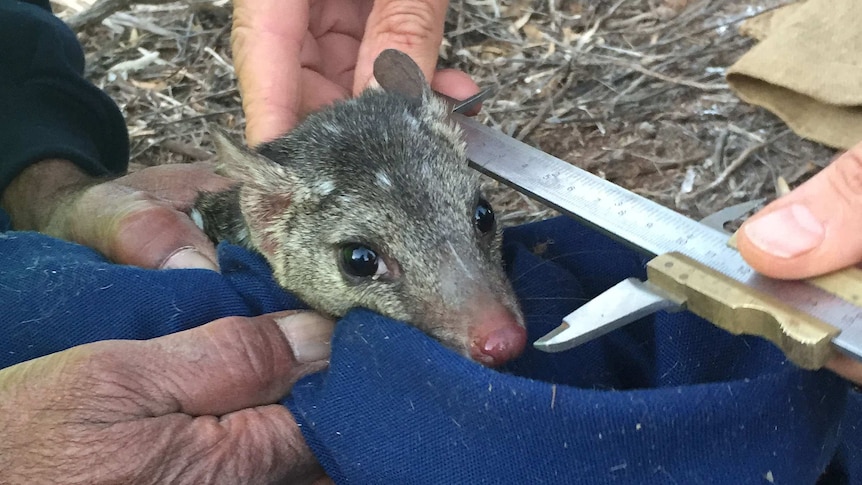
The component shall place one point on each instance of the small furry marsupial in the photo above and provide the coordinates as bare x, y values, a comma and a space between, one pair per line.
370, 203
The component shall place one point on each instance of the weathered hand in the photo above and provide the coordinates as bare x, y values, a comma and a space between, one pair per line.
196, 407
295, 57
814, 230
137, 219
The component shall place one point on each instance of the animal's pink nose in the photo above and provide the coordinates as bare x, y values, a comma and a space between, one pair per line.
498, 340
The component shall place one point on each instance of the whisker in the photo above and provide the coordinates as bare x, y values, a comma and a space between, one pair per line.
554, 298
560, 256
529, 285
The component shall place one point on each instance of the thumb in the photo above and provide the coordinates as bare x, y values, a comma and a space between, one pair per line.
202, 402
414, 27
237, 369
232, 363
815, 229
131, 226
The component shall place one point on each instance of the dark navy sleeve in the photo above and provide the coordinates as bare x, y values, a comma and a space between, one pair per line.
47, 108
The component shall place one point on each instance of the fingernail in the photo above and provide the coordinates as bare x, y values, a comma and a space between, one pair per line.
309, 335
787, 232
188, 258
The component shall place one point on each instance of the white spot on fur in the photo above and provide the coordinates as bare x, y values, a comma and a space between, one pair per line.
331, 127
324, 187
411, 120
383, 180
425, 169
197, 218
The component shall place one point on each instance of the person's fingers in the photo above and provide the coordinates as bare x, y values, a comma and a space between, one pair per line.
230, 364
336, 30
318, 92
180, 183
455, 84
147, 225
192, 407
267, 43
813, 230
414, 27
256, 445
131, 227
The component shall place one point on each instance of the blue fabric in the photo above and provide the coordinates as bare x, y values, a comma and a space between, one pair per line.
670, 399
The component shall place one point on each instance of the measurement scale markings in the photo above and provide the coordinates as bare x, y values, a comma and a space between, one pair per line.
643, 224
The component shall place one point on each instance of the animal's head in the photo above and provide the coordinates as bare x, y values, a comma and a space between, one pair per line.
370, 203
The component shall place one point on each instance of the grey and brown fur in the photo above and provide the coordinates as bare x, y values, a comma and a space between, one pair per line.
387, 169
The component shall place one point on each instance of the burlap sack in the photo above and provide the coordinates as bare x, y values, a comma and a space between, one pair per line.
807, 69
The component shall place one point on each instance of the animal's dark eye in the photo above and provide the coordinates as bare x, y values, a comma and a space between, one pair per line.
483, 217
362, 261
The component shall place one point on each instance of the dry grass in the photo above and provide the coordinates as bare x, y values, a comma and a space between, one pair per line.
631, 90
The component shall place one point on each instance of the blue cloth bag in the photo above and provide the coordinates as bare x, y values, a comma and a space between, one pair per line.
669, 399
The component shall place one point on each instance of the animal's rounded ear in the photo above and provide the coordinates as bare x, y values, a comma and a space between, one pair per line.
396, 72
242, 164
267, 190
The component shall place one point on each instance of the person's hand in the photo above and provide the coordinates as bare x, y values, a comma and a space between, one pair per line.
813, 230
295, 57
196, 407
138, 219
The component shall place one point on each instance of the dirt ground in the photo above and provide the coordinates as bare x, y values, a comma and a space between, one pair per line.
631, 90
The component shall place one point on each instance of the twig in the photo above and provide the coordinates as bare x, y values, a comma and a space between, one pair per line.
667, 164
714, 27
718, 154
235, 109
735, 164
191, 151
668, 79
128, 20
103, 9
543, 112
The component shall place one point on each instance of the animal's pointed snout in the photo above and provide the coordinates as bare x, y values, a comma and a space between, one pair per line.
498, 337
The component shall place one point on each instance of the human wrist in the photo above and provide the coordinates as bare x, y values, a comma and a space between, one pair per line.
34, 197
